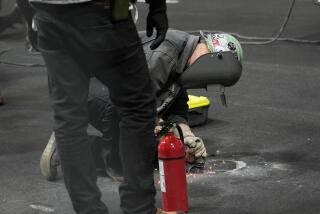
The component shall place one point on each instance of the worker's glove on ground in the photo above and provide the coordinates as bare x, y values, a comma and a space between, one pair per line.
195, 144
157, 18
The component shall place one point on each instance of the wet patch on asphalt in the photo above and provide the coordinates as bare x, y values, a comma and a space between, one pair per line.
254, 165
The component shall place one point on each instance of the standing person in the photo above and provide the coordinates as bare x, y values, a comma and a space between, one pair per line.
81, 38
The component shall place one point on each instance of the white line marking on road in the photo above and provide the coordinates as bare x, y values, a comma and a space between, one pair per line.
42, 208
168, 1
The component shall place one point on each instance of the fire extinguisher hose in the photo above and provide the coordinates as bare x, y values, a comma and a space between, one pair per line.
180, 132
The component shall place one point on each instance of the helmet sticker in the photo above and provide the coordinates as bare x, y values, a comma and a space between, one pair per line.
222, 42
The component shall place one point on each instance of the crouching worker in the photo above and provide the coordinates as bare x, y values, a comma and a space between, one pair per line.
182, 61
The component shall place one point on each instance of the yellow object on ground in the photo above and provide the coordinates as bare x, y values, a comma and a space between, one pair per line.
198, 101
198, 110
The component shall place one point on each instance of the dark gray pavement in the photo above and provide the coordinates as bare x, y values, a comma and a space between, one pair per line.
271, 126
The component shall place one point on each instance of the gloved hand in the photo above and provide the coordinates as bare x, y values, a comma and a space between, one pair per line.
157, 18
158, 127
195, 144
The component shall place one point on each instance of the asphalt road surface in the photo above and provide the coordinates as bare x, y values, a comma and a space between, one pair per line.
270, 129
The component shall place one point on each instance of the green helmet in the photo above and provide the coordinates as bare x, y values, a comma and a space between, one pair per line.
217, 42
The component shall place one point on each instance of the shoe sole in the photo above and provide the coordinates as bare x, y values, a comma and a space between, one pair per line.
47, 170
161, 211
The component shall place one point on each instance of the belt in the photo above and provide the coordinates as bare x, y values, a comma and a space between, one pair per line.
62, 8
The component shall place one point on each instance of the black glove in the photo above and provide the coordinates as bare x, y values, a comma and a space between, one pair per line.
157, 18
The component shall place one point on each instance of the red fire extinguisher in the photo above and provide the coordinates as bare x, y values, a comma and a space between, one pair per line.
173, 182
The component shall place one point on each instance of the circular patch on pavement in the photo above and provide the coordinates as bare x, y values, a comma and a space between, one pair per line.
219, 166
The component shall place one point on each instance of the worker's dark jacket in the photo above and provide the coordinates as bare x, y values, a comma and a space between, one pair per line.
165, 63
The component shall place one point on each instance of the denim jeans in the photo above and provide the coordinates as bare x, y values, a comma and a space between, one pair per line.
28, 12
76, 42
104, 117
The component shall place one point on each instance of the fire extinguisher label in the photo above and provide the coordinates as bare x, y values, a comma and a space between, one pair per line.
162, 176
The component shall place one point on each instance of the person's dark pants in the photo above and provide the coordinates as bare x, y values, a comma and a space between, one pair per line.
104, 117
28, 12
79, 40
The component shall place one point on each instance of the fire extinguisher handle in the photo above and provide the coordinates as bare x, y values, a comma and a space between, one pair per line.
167, 126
